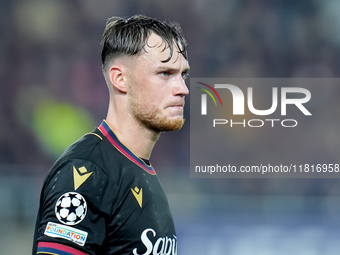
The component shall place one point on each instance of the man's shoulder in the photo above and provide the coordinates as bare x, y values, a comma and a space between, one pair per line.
92, 150
92, 147
83, 147
83, 166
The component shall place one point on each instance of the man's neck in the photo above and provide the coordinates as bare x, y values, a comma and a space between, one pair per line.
137, 138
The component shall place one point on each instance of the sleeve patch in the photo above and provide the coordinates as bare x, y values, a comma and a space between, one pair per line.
65, 232
71, 208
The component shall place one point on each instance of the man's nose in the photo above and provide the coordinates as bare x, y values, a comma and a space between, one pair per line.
181, 87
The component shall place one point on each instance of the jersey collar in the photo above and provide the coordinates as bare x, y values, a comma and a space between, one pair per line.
111, 136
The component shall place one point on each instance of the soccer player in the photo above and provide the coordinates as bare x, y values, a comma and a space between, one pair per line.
102, 196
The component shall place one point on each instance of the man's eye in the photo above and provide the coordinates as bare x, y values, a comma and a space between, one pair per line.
185, 75
165, 74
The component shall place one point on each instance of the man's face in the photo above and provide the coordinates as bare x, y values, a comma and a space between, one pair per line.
157, 90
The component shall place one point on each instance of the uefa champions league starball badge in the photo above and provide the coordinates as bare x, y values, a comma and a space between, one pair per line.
71, 208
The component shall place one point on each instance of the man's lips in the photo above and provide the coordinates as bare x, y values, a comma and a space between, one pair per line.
177, 104
177, 109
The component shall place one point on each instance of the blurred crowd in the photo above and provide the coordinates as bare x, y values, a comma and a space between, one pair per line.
50, 53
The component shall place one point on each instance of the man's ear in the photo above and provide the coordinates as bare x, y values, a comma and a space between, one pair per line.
116, 76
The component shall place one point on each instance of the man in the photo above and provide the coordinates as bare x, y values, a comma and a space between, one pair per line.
102, 196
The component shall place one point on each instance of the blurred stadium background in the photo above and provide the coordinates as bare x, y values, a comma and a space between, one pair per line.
52, 91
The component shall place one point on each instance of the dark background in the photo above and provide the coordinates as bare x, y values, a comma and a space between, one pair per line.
52, 91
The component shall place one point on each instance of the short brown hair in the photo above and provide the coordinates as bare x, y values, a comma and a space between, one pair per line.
129, 36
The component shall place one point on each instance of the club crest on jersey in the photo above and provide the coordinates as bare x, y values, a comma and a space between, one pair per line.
71, 208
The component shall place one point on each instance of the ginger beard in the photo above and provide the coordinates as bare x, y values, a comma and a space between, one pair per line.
155, 102
151, 116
